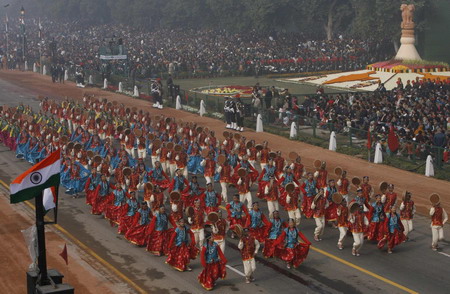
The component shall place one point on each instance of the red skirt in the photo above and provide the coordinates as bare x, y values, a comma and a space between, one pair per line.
392, 240
270, 250
90, 196
306, 207
163, 184
100, 203
296, 255
125, 223
331, 212
137, 235
258, 233
180, 256
375, 232
115, 213
210, 273
236, 221
261, 187
156, 241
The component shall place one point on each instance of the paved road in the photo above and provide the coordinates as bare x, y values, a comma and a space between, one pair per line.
327, 270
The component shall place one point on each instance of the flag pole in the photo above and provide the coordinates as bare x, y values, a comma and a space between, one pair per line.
40, 228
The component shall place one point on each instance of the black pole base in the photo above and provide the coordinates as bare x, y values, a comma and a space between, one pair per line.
32, 277
60, 289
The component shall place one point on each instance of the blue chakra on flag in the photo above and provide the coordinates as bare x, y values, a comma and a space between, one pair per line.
36, 178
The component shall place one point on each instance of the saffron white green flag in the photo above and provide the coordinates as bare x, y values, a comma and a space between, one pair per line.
35, 180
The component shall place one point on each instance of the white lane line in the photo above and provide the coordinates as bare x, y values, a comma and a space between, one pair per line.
448, 255
235, 270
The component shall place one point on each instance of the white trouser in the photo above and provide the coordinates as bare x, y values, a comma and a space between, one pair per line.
358, 240
208, 180
272, 206
172, 168
102, 136
437, 233
247, 196
249, 267
252, 162
320, 225
199, 235
345, 197
263, 165
342, 234
131, 152
154, 159
164, 166
221, 244
296, 215
224, 187
142, 153
408, 225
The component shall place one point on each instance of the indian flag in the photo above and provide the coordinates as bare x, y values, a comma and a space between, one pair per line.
39, 177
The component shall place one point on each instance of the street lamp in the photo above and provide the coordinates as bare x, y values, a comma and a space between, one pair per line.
22, 24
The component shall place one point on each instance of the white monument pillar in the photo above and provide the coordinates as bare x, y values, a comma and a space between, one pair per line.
407, 50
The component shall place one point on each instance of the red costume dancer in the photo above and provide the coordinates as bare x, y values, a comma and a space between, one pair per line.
117, 208
279, 164
264, 155
257, 223
156, 199
358, 223
438, 219
319, 205
331, 212
137, 233
219, 230
237, 213
389, 199
213, 262
181, 248
342, 222
294, 251
102, 197
249, 247
209, 168
407, 211
127, 220
275, 228
210, 199
393, 229
252, 173
309, 190
290, 200
298, 168
158, 233
197, 222
376, 217
367, 190
321, 176
91, 185
343, 184
225, 179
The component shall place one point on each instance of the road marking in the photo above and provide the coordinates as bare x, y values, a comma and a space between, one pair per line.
89, 251
374, 275
235, 270
364, 270
448, 255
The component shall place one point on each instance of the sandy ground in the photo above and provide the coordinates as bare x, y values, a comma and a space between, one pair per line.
419, 185
83, 273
